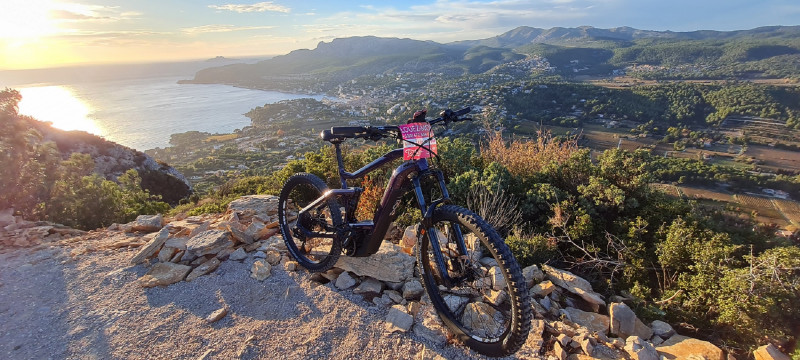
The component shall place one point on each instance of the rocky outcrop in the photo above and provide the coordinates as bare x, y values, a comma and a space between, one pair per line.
624, 322
682, 347
769, 352
15, 232
388, 264
112, 160
163, 274
573, 284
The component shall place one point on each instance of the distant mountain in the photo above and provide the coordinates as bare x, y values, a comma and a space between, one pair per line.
762, 52
525, 35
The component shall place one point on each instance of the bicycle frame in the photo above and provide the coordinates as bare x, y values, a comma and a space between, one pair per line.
410, 171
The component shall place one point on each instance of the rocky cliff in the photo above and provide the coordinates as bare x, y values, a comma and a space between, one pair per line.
112, 160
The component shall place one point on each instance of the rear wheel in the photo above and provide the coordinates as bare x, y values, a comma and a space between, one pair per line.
315, 253
486, 305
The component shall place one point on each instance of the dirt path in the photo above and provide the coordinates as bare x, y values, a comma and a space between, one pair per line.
54, 305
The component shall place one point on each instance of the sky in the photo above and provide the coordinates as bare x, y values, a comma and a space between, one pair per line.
53, 33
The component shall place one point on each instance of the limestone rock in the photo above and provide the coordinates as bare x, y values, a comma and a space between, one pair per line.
586, 343
238, 233
488, 262
409, 239
496, 297
389, 264
543, 288
395, 296
412, 289
260, 270
563, 339
413, 308
290, 266
369, 286
498, 281
217, 315
203, 269
345, 281
263, 206
164, 274
273, 257
769, 352
454, 302
238, 255
682, 347
662, 329
166, 253
639, 349
383, 300
177, 242
147, 223
483, 320
559, 351
532, 275
255, 229
199, 228
625, 323
152, 246
592, 321
573, 284
398, 319
208, 242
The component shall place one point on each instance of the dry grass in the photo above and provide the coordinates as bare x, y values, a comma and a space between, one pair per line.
525, 157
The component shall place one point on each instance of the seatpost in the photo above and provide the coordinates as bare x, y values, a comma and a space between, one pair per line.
340, 162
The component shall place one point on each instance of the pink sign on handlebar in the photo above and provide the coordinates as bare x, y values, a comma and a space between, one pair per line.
416, 134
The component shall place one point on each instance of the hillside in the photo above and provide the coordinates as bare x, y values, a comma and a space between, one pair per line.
766, 52
77, 178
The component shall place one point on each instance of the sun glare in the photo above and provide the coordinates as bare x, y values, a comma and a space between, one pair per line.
58, 105
26, 19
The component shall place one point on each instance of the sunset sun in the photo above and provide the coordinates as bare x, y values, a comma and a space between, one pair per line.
26, 20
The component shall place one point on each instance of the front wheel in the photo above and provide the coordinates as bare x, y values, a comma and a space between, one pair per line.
315, 253
485, 304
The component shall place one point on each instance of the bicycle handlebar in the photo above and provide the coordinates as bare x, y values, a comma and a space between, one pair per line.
378, 132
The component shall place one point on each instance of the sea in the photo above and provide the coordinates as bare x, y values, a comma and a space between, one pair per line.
135, 107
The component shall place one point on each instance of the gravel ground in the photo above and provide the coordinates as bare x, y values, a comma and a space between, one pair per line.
77, 300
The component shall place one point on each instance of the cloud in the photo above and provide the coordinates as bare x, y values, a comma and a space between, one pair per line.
75, 12
456, 19
221, 28
257, 7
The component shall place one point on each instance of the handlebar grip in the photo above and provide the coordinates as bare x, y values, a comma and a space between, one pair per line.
347, 130
463, 111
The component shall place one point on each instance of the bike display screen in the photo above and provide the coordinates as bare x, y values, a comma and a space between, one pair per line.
417, 141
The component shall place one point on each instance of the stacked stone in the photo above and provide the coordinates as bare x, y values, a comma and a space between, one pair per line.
583, 325
16, 232
194, 246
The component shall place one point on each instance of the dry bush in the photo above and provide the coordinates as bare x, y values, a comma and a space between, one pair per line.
525, 157
496, 207
370, 198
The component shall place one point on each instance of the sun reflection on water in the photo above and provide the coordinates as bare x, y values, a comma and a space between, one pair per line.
59, 106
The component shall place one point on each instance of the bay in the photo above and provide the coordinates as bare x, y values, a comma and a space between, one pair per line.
142, 113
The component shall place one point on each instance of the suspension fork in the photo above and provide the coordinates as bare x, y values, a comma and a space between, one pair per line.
434, 242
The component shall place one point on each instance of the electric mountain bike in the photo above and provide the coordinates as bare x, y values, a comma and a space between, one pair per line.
469, 273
